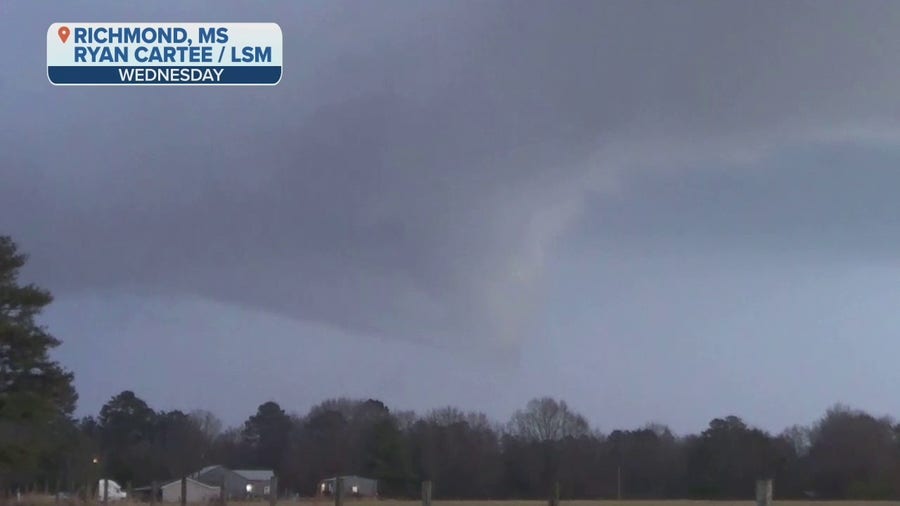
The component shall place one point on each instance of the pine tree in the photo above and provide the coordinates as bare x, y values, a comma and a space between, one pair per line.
36, 393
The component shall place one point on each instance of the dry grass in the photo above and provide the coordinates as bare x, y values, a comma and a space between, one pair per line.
44, 500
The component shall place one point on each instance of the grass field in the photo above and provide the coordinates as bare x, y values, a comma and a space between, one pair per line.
46, 500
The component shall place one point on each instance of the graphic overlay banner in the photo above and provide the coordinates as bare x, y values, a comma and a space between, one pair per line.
164, 54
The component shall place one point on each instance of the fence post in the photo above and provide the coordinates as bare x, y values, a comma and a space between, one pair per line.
154, 489
554, 499
426, 493
273, 490
619, 483
764, 493
223, 497
105, 491
183, 490
338, 491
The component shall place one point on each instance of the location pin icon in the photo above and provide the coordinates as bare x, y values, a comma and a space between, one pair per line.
63, 33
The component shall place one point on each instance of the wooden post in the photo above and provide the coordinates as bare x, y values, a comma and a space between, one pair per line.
764, 493
183, 491
554, 499
223, 498
338, 491
273, 490
154, 489
426, 493
105, 491
619, 483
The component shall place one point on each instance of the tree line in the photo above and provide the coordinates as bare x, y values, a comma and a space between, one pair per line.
846, 454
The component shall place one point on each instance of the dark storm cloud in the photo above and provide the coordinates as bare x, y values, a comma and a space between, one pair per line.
418, 162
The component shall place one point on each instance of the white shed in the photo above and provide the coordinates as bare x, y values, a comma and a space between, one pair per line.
196, 491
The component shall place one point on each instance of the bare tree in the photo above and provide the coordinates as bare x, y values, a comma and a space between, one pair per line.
547, 419
799, 438
405, 419
445, 416
208, 423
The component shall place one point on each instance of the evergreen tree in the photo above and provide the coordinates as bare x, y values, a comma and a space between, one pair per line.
36, 394
267, 433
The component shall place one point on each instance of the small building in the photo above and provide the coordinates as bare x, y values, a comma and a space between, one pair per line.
353, 486
238, 483
144, 494
257, 482
195, 491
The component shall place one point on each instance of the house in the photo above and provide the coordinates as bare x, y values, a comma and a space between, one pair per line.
195, 491
352, 486
238, 483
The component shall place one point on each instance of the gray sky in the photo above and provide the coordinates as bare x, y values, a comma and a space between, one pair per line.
658, 211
